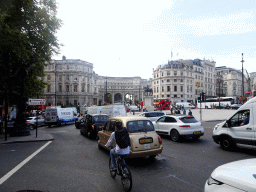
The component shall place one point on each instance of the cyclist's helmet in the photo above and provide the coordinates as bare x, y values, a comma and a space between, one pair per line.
119, 125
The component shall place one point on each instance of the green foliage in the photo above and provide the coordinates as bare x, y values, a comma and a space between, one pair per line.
27, 41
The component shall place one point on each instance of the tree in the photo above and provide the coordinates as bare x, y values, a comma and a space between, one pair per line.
27, 42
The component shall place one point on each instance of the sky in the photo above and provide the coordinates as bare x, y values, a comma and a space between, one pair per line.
131, 38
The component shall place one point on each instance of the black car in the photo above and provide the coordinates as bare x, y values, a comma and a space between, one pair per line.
92, 123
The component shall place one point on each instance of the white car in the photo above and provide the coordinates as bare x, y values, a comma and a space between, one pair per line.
236, 176
153, 115
31, 122
178, 126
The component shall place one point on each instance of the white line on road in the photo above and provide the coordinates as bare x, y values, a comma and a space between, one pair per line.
14, 170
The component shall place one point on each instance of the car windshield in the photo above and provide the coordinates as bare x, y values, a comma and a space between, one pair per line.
139, 126
188, 119
30, 118
100, 118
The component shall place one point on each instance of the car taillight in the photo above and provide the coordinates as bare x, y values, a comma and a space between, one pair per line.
28, 121
92, 127
159, 140
184, 126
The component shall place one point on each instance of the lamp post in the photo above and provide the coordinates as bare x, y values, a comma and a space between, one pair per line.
242, 75
55, 83
219, 80
106, 95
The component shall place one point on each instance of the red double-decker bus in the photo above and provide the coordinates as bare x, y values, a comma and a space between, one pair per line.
250, 94
161, 104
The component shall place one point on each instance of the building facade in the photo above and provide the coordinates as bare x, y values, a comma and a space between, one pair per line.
73, 82
232, 81
70, 82
184, 80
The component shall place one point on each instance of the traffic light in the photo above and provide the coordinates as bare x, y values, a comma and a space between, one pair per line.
199, 99
203, 96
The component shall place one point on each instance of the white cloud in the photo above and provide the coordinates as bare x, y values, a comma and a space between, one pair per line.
222, 25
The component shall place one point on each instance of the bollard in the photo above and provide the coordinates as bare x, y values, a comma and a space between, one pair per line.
133, 112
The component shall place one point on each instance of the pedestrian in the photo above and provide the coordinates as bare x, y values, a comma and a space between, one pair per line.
171, 109
190, 112
184, 111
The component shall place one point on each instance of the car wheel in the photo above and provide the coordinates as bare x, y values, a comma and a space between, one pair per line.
152, 156
98, 141
227, 144
89, 133
195, 138
30, 127
175, 136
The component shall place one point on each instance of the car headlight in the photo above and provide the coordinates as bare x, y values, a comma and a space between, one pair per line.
216, 127
212, 181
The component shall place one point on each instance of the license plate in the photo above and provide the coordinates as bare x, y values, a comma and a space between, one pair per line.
148, 140
197, 132
146, 146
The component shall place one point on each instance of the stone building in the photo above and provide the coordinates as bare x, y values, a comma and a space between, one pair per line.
184, 80
120, 88
72, 82
232, 81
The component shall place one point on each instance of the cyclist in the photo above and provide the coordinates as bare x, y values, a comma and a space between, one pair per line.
121, 136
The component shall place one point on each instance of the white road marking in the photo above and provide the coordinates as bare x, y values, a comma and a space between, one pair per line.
14, 170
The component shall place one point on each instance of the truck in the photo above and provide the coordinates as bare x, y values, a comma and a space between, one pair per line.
59, 116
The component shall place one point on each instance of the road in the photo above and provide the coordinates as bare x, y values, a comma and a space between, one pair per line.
72, 162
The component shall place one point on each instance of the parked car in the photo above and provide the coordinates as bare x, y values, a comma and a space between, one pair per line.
235, 106
178, 126
144, 139
235, 176
31, 122
153, 115
92, 123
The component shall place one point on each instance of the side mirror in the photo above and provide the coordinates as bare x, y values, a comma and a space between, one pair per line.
227, 124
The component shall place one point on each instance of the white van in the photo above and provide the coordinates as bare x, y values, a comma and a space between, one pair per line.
58, 116
186, 105
94, 109
235, 131
114, 110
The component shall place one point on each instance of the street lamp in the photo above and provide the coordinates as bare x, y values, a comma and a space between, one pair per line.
219, 81
242, 75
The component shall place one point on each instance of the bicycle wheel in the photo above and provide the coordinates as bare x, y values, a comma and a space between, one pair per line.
112, 173
126, 178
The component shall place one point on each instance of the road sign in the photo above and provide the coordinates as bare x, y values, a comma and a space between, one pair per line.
36, 101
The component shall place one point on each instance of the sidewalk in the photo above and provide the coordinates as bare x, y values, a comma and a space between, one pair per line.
207, 114
41, 136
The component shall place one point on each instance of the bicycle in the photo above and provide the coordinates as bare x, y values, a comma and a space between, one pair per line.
123, 171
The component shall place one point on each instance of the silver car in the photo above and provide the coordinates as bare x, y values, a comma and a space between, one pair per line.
31, 122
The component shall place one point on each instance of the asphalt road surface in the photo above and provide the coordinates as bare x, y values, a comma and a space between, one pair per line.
72, 162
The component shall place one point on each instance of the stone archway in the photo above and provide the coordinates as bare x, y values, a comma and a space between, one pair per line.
118, 98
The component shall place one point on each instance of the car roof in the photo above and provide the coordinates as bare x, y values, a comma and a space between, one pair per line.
177, 115
155, 112
125, 119
96, 114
